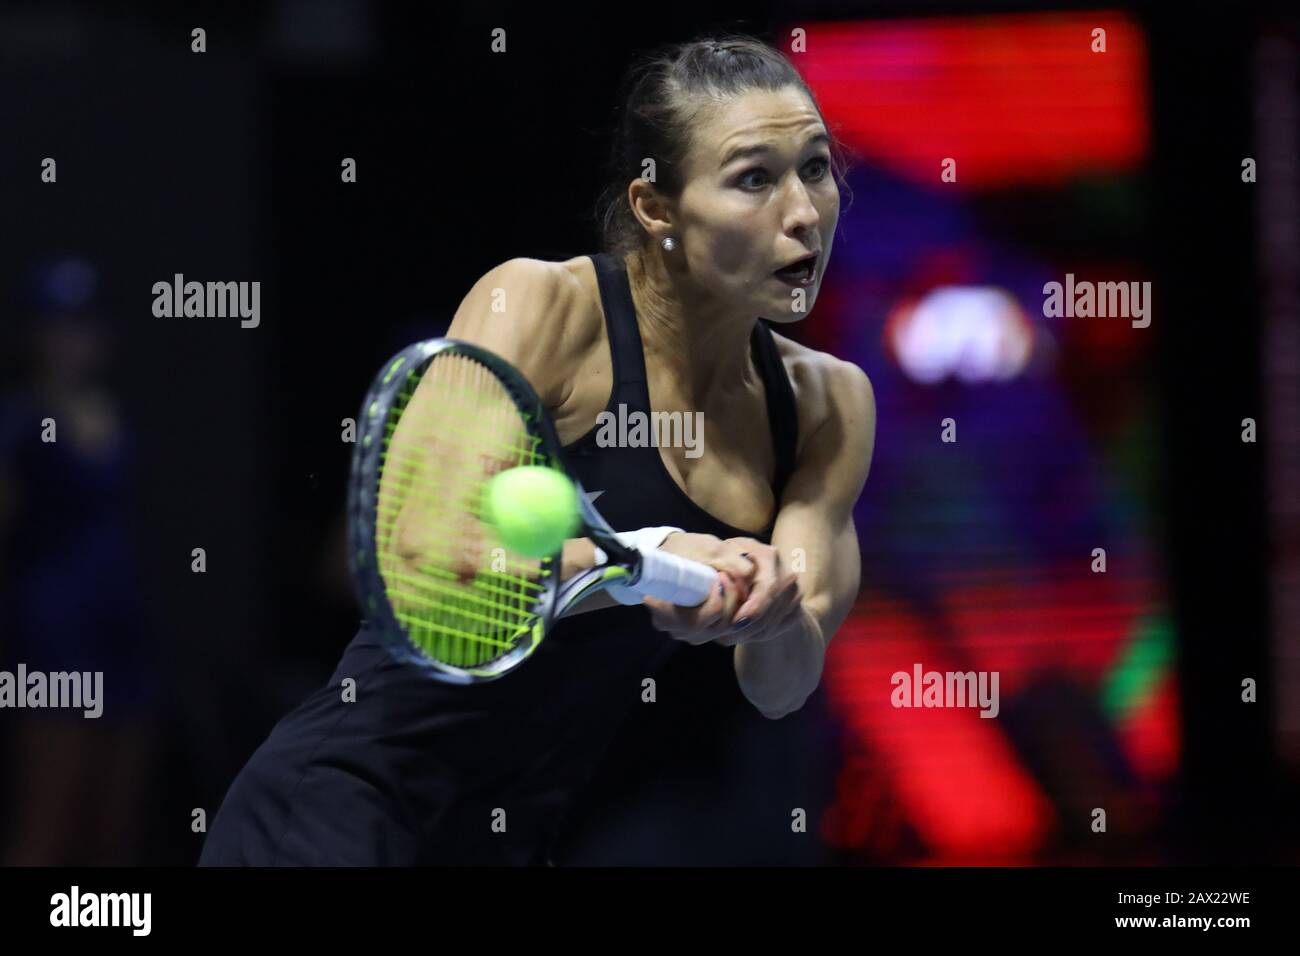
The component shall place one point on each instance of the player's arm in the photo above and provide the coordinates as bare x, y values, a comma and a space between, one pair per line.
815, 544
523, 311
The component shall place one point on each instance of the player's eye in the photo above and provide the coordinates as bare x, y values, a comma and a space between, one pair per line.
817, 169
747, 180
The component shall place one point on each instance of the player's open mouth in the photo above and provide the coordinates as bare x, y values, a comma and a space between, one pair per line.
800, 273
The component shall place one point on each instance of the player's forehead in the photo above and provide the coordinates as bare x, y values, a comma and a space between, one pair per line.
784, 118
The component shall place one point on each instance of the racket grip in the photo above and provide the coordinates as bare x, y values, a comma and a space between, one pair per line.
674, 579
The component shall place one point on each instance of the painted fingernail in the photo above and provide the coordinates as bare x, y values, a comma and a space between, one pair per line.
743, 622
722, 589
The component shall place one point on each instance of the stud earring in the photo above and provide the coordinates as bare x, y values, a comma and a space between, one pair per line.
669, 243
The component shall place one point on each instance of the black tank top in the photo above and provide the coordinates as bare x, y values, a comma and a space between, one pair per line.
636, 489
590, 670
414, 770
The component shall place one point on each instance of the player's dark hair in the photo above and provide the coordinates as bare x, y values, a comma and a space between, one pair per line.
662, 96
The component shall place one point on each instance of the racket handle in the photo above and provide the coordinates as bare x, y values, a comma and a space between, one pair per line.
674, 579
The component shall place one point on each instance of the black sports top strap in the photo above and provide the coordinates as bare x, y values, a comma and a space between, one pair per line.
629, 372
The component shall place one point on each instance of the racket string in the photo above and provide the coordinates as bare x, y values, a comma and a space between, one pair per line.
450, 430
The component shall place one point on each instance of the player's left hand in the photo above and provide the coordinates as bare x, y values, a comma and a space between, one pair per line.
765, 604
773, 603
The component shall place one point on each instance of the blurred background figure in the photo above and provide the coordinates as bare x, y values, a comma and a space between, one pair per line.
982, 545
72, 593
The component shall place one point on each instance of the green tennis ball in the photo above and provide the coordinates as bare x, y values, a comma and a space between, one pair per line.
533, 509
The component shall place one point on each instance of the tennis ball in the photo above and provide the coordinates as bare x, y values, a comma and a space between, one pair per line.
533, 509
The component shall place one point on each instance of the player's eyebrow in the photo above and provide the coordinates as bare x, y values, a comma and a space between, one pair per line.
756, 149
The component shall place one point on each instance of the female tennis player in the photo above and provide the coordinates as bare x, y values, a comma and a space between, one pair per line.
718, 220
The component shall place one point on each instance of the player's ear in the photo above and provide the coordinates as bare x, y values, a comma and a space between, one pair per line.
652, 210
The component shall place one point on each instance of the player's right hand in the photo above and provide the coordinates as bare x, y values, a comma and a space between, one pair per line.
708, 621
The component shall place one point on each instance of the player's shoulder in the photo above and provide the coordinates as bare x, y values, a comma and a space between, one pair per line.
536, 299
537, 281
562, 287
536, 314
826, 388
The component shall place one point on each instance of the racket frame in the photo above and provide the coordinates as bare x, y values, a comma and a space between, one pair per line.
623, 567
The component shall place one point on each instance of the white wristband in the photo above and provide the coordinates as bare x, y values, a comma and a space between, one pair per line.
643, 539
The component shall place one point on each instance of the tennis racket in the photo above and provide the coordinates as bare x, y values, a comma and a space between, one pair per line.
441, 418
